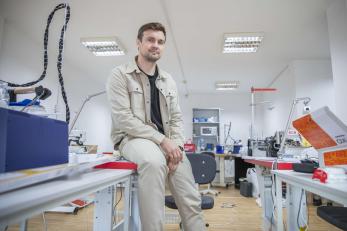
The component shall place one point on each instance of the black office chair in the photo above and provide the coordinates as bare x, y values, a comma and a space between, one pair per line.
336, 216
204, 171
209, 190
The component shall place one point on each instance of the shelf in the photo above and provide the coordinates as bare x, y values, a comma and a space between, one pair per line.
209, 118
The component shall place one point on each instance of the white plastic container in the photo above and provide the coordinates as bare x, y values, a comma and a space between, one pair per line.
4, 96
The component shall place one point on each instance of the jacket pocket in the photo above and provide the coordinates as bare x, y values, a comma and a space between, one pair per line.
137, 102
170, 100
136, 95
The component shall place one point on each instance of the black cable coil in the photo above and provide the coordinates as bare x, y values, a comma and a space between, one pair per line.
60, 57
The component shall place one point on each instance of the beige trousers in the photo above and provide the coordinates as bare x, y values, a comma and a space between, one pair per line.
153, 173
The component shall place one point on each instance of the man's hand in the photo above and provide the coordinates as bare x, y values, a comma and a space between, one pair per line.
173, 153
172, 167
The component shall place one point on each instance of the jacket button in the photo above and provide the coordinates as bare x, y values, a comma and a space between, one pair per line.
166, 122
147, 101
147, 84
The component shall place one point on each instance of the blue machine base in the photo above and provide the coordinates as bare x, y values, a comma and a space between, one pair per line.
30, 141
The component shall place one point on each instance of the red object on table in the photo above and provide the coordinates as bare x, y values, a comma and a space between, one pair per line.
118, 165
320, 174
189, 147
269, 163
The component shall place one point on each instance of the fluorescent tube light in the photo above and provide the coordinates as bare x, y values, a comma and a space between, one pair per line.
103, 46
227, 85
242, 42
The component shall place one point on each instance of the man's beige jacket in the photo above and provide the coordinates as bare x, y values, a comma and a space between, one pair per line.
129, 93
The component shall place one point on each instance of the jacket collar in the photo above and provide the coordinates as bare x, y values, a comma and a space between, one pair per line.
132, 67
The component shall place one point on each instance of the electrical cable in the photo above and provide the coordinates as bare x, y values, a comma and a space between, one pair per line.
60, 56
115, 206
297, 217
273, 185
308, 215
228, 134
120, 198
274, 166
44, 222
273, 202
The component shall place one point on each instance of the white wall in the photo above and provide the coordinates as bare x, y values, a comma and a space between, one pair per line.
2, 22
337, 21
313, 78
275, 119
235, 107
21, 62
302, 78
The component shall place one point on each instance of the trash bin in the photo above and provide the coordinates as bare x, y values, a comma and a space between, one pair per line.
246, 189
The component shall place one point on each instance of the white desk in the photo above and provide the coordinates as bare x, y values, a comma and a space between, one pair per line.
221, 159
296, 182
21, 204
263, 167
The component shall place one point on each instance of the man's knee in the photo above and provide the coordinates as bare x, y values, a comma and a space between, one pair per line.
142, 150
191, 197
153, 165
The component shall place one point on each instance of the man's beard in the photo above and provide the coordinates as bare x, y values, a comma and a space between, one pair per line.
151, 58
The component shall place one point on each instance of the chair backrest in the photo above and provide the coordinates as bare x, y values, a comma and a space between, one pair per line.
208, 153
203, 166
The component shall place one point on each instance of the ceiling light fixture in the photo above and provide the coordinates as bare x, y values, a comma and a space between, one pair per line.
227, 85
242, 42
103, 46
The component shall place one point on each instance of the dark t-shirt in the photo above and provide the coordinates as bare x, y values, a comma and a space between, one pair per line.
155, 106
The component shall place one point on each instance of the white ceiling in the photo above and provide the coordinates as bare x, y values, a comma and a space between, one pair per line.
294, 29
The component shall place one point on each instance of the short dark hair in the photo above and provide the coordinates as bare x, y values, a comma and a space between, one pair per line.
156, 26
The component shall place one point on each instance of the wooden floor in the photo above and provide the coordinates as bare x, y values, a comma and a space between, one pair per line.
244, 215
